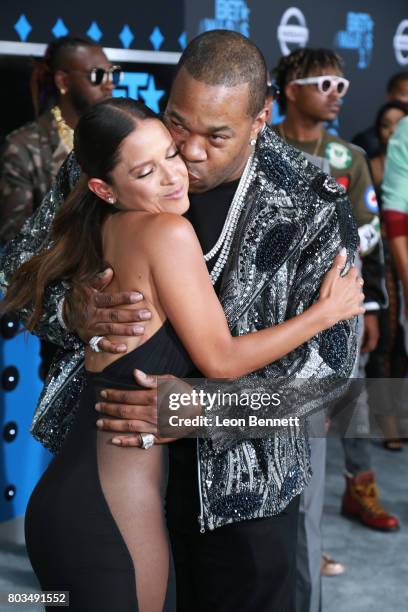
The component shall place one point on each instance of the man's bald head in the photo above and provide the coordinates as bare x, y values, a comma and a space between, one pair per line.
223, 57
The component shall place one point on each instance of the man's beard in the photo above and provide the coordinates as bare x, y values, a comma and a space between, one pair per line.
80, 102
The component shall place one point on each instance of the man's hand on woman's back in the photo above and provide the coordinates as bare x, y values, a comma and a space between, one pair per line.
101, 314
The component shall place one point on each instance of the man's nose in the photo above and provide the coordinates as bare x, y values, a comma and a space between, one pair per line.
108, 85
192, 148
334, 95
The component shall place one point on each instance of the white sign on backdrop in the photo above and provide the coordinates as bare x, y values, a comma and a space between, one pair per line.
295, 34
228, 15
401, 43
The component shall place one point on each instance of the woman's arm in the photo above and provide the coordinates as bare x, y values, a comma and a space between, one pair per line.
190, 302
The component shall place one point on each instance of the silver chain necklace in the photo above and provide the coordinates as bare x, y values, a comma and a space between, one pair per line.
224, 241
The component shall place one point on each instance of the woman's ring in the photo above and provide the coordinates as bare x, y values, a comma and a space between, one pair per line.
147, 440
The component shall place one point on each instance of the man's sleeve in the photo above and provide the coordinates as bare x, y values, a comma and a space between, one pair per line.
361, 192
373, 273
395, 184
316, 373
33, 238
365, 207
16, 189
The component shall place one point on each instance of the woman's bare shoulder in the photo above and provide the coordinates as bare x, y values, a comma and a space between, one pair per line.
170, 226
152, 234
165, 223
171, 236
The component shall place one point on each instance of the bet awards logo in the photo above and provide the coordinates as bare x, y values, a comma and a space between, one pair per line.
357, 36
229, 15
295, 33
401, 43
140, 85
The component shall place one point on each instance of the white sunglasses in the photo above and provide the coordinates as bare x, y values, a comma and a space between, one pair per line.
326, 84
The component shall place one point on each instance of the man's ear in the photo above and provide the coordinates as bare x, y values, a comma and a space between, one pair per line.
269, 101
290, 92
259, 121
102, 190
61, 81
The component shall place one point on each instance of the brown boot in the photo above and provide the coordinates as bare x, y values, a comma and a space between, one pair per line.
361, 501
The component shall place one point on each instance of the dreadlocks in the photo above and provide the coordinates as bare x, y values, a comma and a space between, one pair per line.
300, 64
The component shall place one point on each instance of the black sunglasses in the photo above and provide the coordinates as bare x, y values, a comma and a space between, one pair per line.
97, 76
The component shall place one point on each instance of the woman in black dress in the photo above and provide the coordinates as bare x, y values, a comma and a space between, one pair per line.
95, 521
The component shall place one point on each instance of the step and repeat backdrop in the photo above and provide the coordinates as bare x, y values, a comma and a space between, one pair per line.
146, 39
370, 35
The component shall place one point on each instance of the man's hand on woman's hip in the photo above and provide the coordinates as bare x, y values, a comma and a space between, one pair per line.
134, 412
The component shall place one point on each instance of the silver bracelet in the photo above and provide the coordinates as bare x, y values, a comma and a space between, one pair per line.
60, 308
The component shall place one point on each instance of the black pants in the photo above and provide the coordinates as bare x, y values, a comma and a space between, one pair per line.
248, 566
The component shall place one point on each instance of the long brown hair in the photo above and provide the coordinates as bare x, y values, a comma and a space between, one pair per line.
76, 253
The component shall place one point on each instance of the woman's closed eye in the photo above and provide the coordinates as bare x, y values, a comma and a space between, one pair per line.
173, 155
145, 173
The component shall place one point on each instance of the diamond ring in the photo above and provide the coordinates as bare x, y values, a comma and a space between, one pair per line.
93, 343
147, 440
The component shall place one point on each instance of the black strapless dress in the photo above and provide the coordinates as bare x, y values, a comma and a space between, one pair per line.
95, 523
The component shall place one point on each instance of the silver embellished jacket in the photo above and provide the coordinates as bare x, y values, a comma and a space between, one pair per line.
295, 220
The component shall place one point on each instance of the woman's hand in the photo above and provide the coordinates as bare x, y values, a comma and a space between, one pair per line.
341, 297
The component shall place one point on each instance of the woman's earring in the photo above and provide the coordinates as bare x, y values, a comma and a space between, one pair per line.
63, 91
252, 142
111, 200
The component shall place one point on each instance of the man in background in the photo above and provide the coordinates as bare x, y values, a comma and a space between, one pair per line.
74, 74
310, 86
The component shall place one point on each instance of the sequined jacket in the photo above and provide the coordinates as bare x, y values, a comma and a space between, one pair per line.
30, 160
295, 220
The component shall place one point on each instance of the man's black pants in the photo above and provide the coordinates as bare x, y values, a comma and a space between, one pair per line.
248, 566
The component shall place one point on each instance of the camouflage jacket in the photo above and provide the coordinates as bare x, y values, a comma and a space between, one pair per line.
30, 160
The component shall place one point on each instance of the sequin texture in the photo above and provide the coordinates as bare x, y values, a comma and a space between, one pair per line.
334, 347
271, 251
293, 224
